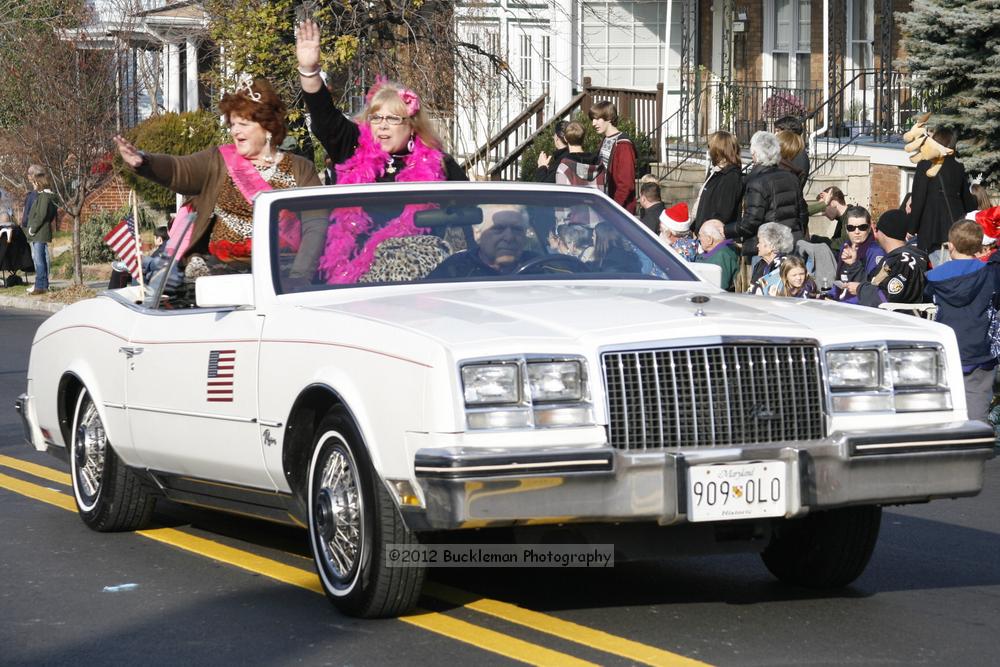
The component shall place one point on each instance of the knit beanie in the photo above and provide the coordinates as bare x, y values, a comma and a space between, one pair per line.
894, 224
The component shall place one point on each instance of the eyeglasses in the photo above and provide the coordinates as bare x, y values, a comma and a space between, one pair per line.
390, 119
858, 228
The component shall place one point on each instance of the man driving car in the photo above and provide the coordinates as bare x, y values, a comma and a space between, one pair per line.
500, 247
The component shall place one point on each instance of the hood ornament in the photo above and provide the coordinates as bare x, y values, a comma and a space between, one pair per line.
698, 299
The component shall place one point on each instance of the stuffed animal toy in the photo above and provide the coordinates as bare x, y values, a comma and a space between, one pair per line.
920, 145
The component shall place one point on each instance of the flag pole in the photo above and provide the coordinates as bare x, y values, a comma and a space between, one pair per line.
134, 201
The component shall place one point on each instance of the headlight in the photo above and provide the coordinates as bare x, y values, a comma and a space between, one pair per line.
915, 368
526, 392
491, 384
854, 369
553, 381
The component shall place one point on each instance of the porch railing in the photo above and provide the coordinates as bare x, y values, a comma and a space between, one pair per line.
498, 147
870, 108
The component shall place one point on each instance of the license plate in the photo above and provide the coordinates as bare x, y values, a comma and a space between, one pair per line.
728, 491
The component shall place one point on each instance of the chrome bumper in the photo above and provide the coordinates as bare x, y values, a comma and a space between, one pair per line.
475, 488
23, 407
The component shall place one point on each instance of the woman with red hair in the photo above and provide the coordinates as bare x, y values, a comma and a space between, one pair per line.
223, 181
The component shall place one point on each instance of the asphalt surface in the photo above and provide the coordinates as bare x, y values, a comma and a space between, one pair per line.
207, 588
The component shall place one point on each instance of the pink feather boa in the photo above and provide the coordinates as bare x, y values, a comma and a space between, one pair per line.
341, 262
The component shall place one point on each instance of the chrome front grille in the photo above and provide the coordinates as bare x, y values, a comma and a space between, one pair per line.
716, 395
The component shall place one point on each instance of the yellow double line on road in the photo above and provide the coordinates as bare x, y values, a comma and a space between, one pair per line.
442, 624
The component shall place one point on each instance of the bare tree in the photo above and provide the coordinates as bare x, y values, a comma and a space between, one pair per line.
60, 88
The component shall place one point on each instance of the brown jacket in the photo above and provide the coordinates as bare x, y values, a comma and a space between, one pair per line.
201, 176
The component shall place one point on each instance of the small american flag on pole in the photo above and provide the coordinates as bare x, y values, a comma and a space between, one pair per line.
125, 244
221, 368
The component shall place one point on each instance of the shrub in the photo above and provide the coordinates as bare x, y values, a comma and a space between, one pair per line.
93, 249
173, 134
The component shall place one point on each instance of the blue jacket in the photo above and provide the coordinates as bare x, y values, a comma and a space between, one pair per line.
963, 290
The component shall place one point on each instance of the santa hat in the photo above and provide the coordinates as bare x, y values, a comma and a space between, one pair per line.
989, 221
676, 218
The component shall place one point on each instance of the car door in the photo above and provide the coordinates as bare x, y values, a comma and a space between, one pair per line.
191, 386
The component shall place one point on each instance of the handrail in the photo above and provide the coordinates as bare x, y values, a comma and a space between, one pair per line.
568, 109
688, 154
832, 121
537, 106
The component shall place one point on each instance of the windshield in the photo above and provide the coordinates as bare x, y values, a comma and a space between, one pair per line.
485, 234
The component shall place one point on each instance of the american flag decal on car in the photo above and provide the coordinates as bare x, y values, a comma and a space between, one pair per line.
221, 367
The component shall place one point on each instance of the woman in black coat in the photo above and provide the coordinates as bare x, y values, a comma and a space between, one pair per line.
772, 194
939, 201
722, 191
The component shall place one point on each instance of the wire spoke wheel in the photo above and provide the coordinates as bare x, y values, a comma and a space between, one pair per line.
89, 451
352, 519
109, 495
337, 512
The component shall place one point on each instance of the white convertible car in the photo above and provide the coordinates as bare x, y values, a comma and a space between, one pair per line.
407, 360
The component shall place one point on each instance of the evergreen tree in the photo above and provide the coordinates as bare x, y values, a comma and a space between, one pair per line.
953, 49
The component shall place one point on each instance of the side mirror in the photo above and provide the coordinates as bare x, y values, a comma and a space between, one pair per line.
230, 291
710, 273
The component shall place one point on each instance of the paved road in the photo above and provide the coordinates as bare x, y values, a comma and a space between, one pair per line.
204, 588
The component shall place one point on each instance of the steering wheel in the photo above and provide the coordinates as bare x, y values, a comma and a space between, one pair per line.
555, 264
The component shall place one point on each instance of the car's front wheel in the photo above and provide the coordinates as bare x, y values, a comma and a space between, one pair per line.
825, 549
109, 496
352, 520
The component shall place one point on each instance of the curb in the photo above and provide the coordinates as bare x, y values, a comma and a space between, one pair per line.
28, 303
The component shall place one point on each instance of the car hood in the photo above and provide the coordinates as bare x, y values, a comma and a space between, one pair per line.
501, 315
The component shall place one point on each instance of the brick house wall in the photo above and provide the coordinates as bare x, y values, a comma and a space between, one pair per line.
748, 46
885, 188
112, 195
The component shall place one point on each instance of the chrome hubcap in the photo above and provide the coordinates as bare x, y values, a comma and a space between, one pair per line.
88, 452
337, 514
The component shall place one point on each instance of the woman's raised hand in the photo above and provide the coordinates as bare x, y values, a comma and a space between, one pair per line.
307, 46
131, 155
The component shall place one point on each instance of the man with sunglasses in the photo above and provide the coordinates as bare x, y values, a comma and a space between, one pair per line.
900, 274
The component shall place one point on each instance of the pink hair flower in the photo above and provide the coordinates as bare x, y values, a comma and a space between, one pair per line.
411, 101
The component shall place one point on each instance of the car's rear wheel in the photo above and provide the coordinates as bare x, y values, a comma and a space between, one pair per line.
109, 496
825, 549
352, 520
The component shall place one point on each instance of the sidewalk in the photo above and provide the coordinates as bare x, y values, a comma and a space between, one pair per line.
24, 301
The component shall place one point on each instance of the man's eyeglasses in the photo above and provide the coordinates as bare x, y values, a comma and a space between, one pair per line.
390, 119
859, 228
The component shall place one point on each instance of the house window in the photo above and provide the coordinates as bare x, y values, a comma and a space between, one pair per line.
525, 69
546, 73
790, 47
860, 33
621, 42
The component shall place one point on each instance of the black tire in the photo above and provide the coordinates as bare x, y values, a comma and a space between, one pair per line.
824, 550
109, 496
351, 520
